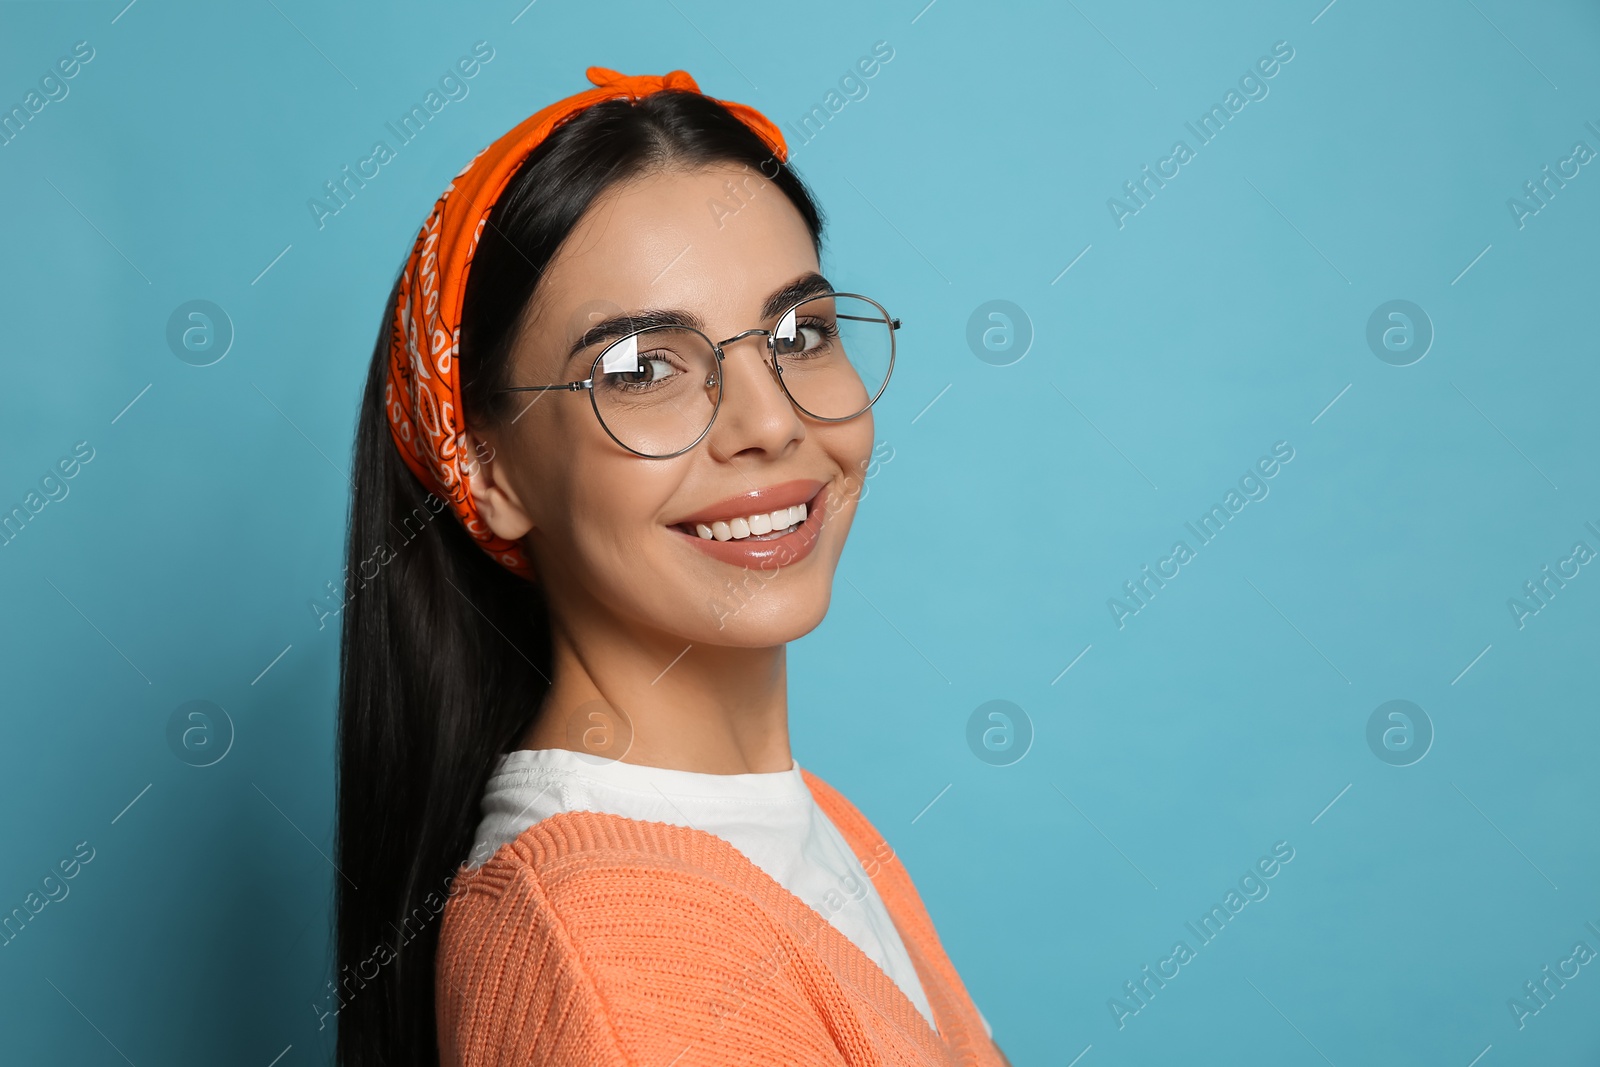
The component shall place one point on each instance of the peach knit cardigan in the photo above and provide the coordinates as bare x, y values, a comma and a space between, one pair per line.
594, 940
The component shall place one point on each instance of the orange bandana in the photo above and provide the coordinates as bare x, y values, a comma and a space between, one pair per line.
423, 395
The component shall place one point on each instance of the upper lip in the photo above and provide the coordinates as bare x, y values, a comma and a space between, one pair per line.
770, 498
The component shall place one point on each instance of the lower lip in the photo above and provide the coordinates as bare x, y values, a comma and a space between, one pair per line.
792, 547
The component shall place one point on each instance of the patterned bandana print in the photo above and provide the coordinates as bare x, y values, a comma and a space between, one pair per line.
423, 394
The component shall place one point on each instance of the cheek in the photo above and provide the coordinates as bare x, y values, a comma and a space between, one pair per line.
850, 444
623, 495
566, 466
602, 512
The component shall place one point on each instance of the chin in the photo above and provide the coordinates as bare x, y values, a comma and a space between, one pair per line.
762, 619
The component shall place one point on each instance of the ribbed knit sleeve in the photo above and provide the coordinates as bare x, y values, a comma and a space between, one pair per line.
510, 988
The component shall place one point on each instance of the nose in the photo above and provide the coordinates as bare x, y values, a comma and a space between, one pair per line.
756, 412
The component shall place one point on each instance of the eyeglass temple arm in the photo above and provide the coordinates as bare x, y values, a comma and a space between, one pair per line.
571, 387
894, 324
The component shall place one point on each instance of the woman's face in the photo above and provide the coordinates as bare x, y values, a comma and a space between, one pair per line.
605, 528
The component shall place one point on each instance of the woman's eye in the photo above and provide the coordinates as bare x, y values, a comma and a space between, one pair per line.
808, 337
650, 370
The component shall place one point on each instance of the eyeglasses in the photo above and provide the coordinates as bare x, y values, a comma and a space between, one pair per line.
657, 390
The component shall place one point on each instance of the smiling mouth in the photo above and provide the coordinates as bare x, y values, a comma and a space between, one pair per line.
757, 526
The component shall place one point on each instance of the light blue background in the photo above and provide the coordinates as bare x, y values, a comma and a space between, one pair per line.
1228, 314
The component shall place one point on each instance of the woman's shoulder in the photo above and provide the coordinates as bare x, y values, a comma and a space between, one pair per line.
586, 884
566, 857
591, 927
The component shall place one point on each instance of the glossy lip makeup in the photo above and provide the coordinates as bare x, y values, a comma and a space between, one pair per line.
726, 518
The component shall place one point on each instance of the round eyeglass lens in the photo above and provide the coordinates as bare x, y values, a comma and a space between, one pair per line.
834, 354
656, 390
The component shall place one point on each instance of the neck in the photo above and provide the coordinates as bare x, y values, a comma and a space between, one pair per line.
658, 700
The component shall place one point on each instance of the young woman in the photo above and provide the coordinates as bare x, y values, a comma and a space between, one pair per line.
612, 441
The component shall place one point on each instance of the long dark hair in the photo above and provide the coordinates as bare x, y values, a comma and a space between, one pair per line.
445, 655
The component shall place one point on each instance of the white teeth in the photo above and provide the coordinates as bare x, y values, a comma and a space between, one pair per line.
745, 526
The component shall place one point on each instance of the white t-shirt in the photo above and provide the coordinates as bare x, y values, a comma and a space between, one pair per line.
771, 817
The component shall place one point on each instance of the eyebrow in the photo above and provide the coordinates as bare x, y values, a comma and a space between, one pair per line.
807, 285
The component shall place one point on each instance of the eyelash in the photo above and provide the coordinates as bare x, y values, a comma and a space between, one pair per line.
830, 330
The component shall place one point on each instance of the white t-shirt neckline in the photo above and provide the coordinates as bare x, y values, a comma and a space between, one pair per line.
644, 778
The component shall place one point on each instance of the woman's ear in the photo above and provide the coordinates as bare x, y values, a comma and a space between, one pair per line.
492, 493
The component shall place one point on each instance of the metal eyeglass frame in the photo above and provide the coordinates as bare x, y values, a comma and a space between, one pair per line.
716, 347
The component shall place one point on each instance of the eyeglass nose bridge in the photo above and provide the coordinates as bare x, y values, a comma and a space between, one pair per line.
753, 332
771, 360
